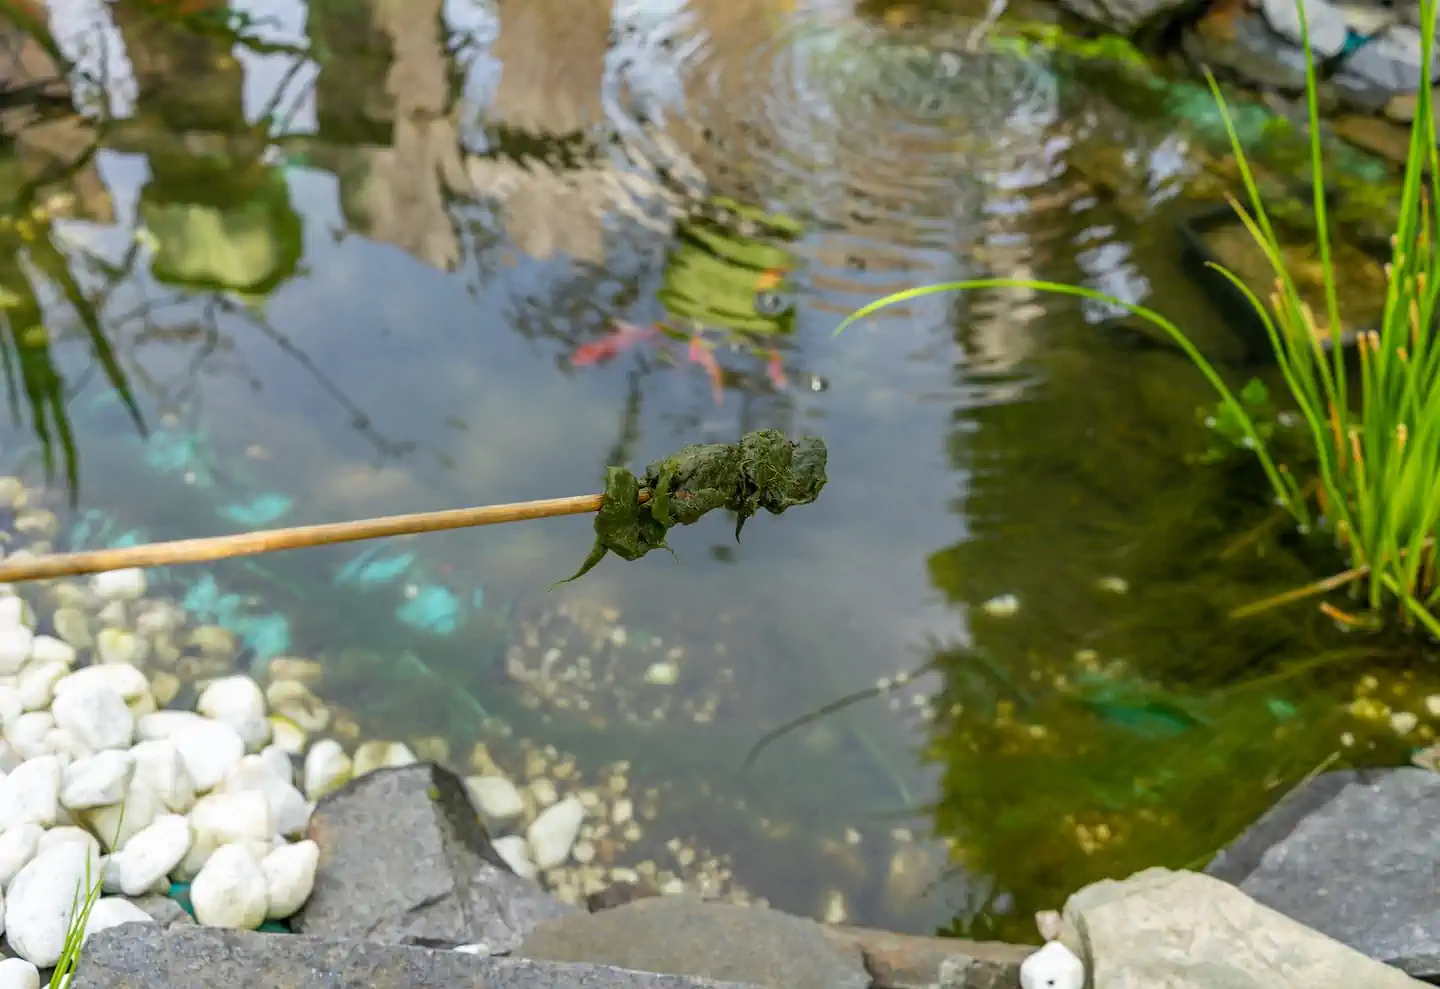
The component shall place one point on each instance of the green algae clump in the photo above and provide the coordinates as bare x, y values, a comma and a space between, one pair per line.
764, 470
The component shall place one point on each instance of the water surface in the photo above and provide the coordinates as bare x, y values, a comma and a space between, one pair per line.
345, 253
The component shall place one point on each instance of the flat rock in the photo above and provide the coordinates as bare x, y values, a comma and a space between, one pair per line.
1353, 855
903, 961
1184, 930
683, 935
1128, 16
146, 956
1251, 52
405, 859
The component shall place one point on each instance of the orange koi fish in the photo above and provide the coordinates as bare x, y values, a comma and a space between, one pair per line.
625, 336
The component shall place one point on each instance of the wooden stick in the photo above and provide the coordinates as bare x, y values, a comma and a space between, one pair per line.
300, 537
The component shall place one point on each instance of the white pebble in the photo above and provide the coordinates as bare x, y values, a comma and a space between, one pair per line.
125, 680
277, 759
230, 890
15, 644
327, 767
42, 900
27, 734
62, 742
73, 627
1001, 606
234, 816
11, 704
159, 767
662, 674
31, 793
120, 647
97, 780
116, 824
1052, 967
151, 854
14, 611
112, 911
516, 854
163, 724
496, 797
48, 649
371, 756
289, 810
18, 844
36, 683
119, 585
70, 833
239, 702
96, 714
552, 834
290, 877
287, 735
210, 750
17, 973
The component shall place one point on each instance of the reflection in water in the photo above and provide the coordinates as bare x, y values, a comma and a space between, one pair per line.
623, 230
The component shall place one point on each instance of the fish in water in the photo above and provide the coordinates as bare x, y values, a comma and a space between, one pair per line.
624, 336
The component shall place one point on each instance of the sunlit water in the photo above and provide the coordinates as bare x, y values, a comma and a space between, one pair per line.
374, 311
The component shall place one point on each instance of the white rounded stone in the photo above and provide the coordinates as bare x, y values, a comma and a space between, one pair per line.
116, 824
112, 911
159, 767
14, 611
96, 714
289, 810
18, 844
235, 816
124, 679
70, 833
62, 742
43, 898
552, 834
516, 853
278, 760
1052, 967
287, 735
27, 734
164, 724
36, 683
290, 877
327, 767
48, 649
151, 854
15, 644
17, 973
230, 890
32, 793
12, 705
120, 647
232, 699
97, 780
496, 797
120, 585
72, 627
210, 750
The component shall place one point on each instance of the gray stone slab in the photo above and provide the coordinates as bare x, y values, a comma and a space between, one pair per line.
1160, 929
145, 956
405, 859
683, 935
1359, 862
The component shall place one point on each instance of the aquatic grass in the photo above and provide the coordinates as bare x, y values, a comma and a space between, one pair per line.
1377, 446
80, 909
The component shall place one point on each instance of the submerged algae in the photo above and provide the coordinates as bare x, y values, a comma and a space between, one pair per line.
764, 470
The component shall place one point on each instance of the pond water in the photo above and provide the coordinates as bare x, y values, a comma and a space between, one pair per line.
359, 257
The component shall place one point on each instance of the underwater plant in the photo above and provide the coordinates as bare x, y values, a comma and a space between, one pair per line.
1372, 413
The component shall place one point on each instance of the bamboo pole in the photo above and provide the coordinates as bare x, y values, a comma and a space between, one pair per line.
182, 551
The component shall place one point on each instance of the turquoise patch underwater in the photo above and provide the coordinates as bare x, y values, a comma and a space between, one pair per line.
433, 609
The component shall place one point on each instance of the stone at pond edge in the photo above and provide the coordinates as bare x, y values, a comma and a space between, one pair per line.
682, 935
903, 961
145, 956
405, 859
1186, 930
1127, 16
1354, 855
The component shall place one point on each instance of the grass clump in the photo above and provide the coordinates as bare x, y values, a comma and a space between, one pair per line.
1372, 412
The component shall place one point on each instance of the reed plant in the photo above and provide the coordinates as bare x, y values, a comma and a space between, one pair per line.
1372, 410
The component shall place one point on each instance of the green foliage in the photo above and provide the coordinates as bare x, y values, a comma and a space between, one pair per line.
1026, 39
1228, 426
1376, 450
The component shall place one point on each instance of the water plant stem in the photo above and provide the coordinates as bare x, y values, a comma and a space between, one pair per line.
213, 548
